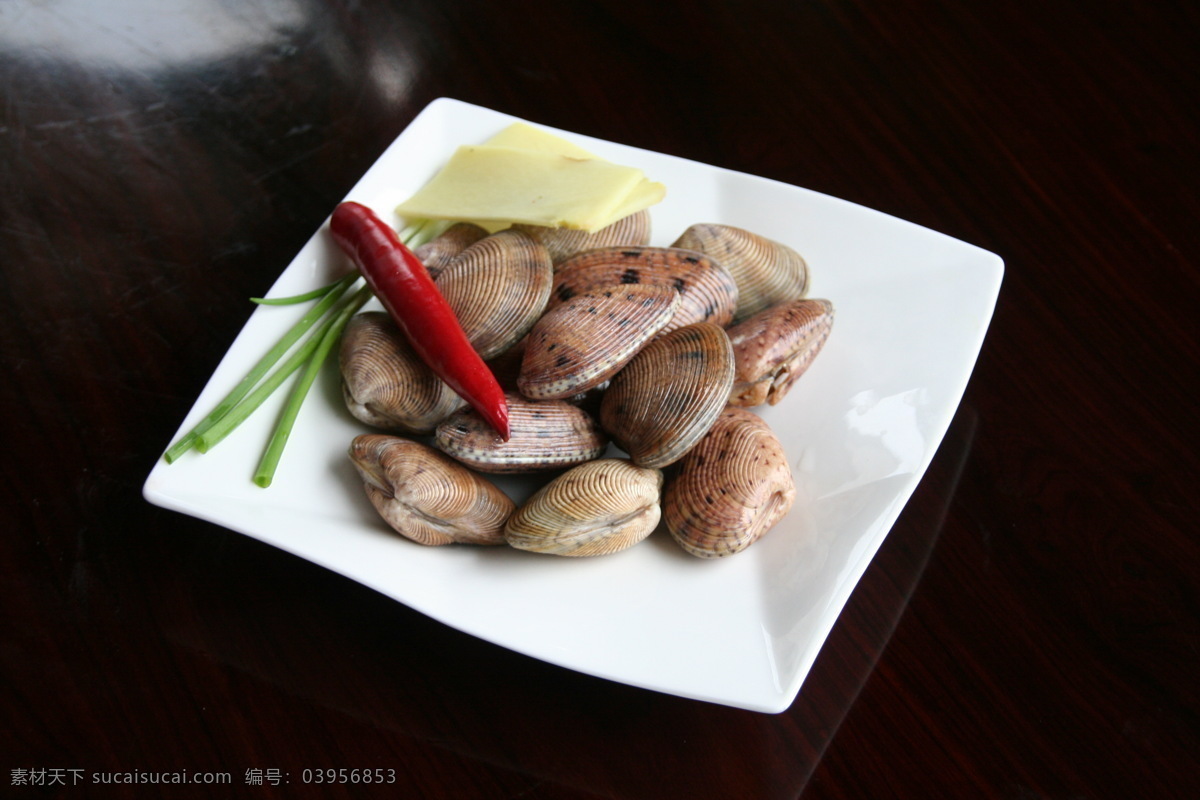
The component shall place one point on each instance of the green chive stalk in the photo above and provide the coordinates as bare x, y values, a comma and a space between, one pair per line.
328, 338
323, 325
330, 296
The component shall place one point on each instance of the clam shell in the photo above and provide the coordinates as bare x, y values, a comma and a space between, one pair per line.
730, 489
668, 395
593, 509
766, 271
772, 349
708, 293
498, 287
427, 497
562, 243
545, 434
581, 343
444, 248
385, 384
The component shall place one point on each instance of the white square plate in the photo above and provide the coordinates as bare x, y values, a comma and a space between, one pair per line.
860, 428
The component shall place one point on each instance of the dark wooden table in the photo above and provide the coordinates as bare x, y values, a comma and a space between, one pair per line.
1029, 628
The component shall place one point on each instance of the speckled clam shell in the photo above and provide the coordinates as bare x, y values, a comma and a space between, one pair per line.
708, 293
583, 342
444, 248
384, 382
766, 271
498, 287
562, 243
427, 497
597, 508
668, 395
772, 349
545, 434
730, 489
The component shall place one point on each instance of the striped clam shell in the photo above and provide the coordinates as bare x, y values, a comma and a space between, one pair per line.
444, 248
427, 497
562, 243
597, 508
668, 395
708, 292
773, 348
545, 434
730, 489
583, 342
385, 384
766, 271
498, 287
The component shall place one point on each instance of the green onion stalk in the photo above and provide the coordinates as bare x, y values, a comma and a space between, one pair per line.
306, 344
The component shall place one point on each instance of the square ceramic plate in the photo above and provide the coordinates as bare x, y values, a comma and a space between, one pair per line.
860, 429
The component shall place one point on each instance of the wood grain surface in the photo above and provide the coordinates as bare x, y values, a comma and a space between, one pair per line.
1029, 628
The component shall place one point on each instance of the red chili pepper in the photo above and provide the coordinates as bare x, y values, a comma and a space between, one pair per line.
404, 287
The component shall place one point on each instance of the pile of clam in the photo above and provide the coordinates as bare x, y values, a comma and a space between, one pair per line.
598, 340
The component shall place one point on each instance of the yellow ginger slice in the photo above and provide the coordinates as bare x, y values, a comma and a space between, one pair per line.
523, 136
533, 177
